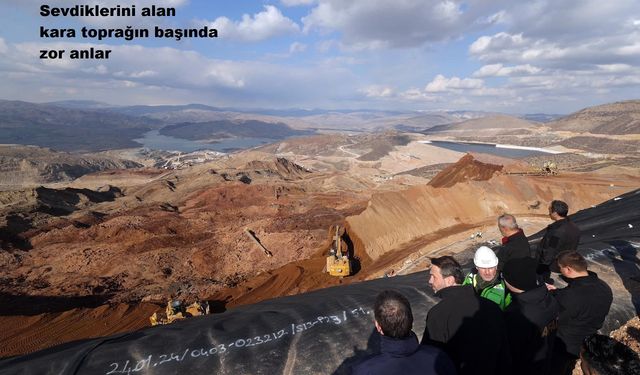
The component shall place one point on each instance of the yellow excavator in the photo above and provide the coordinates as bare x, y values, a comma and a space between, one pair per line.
338, 262
176, 310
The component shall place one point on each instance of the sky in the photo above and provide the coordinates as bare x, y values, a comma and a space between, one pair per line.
537, 56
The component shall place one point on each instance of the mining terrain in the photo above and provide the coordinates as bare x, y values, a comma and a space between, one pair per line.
96, 254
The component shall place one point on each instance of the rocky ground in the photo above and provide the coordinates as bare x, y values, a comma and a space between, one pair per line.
96, 256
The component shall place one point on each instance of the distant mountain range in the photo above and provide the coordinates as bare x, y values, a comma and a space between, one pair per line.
89, 126
69, 129
227, 128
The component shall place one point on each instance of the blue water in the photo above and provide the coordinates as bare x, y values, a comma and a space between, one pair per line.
487, 149
156, 141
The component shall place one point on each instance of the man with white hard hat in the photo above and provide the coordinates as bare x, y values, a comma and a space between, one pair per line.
485, 278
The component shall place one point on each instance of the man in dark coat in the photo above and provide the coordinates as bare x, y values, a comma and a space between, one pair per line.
469, 328
400, 351
584, 305
560, 235
514, 242
531, 318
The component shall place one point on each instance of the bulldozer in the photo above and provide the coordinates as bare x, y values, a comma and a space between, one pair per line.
338, 262
176, 310
550, 168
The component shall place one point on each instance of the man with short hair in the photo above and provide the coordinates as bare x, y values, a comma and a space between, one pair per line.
602, 355
560, 235
531, 319
584, 305
486, 280
514, 242
469, 328
400, 351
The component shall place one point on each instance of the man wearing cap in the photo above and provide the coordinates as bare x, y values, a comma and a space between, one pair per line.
486, 281
531, 318
514, 242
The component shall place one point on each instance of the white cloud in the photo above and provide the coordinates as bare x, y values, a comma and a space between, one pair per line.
3, 46
498, 70
293, 3
264, 25
496, 42
367, 24
442, 84
146, 75
376, 91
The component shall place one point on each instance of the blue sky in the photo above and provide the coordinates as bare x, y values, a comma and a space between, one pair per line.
549, 56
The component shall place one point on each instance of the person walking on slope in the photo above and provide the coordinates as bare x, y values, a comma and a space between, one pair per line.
469, 328
531, 319
400, 351
584, 305
486, 280
514, 242
560, 235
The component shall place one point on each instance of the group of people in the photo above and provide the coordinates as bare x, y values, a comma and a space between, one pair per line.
506, 316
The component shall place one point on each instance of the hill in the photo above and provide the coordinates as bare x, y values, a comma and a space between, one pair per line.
22, 166
614, 118
68, 129
322, 332
229, 128
502, 122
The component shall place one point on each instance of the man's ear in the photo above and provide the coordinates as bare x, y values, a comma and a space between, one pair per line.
378, 328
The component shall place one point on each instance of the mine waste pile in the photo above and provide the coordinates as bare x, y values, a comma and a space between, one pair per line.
327, 330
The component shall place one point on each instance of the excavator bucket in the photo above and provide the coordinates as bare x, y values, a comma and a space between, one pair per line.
338, 262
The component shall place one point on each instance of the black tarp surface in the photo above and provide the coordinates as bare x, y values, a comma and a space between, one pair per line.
325, 331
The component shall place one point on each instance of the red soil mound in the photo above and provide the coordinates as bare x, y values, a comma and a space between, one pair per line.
467, 168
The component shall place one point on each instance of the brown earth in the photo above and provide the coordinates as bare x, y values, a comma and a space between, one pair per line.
466, 169
181, 234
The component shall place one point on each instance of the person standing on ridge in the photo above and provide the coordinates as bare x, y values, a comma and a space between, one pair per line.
560, 235
514, 242
486, 280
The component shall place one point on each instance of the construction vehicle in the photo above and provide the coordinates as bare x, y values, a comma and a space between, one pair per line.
338, 262
550, 168
176, 310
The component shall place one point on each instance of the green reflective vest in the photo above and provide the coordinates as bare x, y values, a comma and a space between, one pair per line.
497, 293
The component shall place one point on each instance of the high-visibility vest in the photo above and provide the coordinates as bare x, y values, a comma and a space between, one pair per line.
497, 293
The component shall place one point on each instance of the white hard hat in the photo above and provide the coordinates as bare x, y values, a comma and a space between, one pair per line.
485, 258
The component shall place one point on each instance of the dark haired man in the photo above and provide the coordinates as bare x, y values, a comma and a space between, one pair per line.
531, 318
584, 305
602, 355
560, 235
400, 351
469, 328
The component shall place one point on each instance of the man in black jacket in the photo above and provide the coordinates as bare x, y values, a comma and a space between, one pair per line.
514, 242
560, 235
584, 305
400, 351
469, 328
531, 318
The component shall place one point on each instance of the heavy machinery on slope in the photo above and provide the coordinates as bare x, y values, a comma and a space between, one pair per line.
176, 310
338, 261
